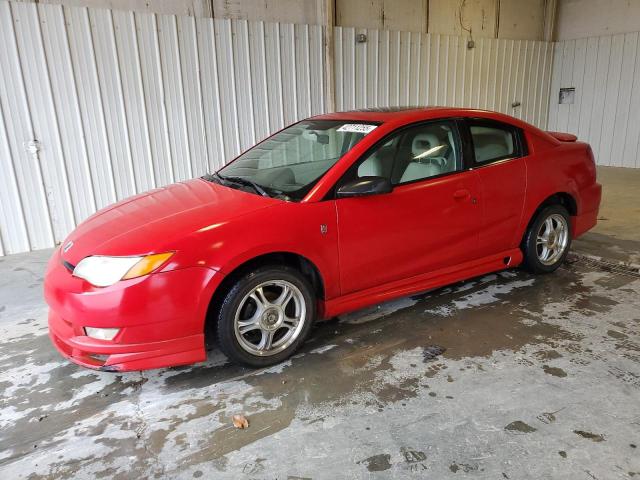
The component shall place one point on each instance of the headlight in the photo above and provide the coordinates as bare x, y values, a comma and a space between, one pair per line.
104, 271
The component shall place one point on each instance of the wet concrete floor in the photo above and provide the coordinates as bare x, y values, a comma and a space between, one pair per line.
507, 376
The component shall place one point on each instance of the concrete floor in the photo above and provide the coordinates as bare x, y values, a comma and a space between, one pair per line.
616, 237
508, 376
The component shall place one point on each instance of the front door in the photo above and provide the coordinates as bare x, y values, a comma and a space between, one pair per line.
429, 221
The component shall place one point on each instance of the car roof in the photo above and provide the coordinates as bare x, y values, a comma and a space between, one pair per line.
415, 113
379, 114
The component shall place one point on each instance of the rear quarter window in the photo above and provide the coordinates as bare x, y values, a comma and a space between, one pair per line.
494, 141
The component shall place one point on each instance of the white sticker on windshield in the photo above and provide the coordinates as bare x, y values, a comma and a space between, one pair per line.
357, 128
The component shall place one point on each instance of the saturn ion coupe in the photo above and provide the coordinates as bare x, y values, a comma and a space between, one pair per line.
329, 215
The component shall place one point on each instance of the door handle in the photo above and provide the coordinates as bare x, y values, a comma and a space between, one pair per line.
461, 194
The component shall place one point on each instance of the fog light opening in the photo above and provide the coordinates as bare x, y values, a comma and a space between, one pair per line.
101, 333
507, 260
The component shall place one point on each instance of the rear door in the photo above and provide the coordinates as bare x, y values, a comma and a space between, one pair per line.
498, 150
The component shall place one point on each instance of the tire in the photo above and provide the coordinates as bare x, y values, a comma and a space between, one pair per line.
256, 307
544, 253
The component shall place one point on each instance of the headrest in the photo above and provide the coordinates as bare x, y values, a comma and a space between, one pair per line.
486, 137
423, 142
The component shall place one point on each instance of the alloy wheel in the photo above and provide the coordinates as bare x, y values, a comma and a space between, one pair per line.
270, 318
552, 239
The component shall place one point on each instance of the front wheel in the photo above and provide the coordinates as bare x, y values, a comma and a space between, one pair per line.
548, 240
266, 316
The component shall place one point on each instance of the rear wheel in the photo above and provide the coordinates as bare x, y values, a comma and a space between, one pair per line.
548, 240
266, 316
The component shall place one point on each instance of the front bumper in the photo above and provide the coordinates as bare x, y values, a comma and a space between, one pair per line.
106, 355
160, 316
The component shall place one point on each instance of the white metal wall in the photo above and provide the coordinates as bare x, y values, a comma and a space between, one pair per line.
605, 71
405, 68
97, 105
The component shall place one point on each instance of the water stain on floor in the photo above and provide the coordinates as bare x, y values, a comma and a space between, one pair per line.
555, 371
547, 417
617, 335
594, 437
520, 427
377, 463
548, 355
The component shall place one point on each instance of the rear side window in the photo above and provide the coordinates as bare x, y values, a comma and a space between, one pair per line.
494, 141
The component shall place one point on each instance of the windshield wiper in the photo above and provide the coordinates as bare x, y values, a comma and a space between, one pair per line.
213, 177
244, 181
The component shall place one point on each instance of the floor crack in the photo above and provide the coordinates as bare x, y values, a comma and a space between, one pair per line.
143, 427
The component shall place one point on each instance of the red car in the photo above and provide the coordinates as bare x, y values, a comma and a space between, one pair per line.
329, 215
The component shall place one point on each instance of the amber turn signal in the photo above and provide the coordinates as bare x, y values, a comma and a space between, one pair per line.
147, 265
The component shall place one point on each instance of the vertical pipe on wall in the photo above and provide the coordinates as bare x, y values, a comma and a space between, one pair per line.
329, 21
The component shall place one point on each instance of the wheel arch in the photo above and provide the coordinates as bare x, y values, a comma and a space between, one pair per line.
562, 198
559, 198
294, 260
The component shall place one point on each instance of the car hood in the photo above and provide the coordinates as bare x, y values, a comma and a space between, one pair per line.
153, 221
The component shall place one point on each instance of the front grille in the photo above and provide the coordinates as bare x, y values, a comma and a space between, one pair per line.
68, 266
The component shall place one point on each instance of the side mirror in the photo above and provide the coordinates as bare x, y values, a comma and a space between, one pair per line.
365, 186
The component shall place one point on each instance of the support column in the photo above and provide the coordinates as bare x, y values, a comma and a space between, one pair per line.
550, 9
329, 21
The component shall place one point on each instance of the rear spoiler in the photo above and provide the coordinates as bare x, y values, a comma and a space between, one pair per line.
563, 137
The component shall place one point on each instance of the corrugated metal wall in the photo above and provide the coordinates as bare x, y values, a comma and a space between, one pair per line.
97, 105
404, 68
605, 71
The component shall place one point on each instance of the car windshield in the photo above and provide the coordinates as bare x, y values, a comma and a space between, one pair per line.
289, 163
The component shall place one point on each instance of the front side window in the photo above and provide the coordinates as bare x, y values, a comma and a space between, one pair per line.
414, 153
493, 142
290, 162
